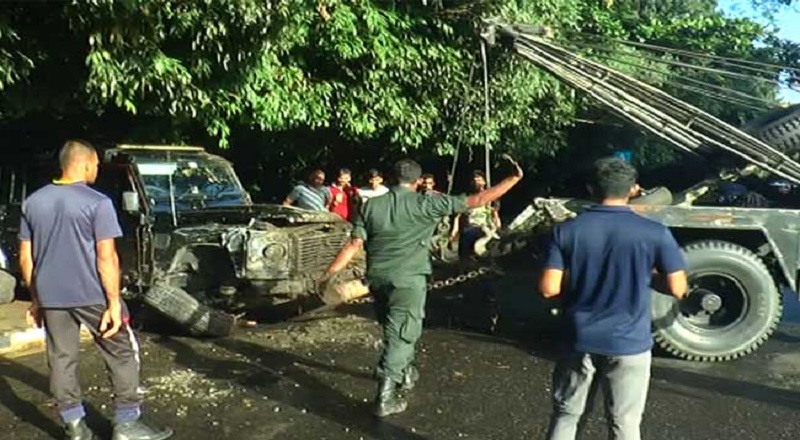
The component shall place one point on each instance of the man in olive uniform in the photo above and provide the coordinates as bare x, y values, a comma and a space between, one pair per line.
397, 229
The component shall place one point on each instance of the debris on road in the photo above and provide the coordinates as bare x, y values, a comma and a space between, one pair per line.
351, 330
187, 384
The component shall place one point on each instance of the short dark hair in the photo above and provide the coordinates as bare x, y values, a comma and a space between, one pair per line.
428, 176
407, 171
72, 150
372, 173
479, 173
313, 173
613, 178
343, 171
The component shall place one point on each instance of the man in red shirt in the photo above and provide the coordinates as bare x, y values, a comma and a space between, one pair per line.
343, 194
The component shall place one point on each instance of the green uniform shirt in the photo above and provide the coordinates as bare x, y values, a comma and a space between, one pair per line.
397, 228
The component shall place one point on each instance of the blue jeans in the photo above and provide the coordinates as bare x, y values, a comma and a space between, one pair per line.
624, 381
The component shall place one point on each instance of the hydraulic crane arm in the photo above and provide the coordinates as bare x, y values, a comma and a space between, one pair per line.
677, 122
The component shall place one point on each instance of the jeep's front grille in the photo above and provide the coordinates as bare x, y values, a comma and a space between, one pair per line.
317, 248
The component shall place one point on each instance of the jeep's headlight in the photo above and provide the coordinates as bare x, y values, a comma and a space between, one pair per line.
275, 252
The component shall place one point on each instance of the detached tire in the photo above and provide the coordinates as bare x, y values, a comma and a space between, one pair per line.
733, 305
780, 129
199, 319
658, 196
8, 287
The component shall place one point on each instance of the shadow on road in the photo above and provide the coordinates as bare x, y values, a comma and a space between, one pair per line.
729, 387
28, 412
263, 370
785, 337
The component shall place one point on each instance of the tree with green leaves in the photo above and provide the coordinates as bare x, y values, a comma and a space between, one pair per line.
291, 81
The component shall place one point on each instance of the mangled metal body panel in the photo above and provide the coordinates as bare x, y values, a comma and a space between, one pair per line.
774, 233
262, 249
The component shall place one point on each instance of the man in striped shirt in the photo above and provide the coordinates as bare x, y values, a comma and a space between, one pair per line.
312, 195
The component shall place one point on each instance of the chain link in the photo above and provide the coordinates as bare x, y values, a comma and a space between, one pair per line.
447, 282
462, 278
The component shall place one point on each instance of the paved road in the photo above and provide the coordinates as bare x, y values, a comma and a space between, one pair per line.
313, 381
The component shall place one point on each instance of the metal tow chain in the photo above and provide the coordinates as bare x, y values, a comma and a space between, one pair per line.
436, 285
447, 282
462, 278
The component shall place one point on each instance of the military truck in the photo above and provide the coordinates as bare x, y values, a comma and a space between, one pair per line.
740, 259
195, 246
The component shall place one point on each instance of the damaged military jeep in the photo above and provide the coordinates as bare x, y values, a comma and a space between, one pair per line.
198, 250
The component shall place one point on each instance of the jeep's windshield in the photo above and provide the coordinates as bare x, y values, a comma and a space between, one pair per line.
196, 182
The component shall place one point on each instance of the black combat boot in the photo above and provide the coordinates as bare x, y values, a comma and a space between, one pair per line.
139, 430
410, 378
389, 400
78, 430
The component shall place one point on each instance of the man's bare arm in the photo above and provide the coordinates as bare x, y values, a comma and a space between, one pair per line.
108, 268
344, 257
677, 284
674, 283
33, 315
551, 282
456, 227
496, 217
26, 266
287, 202
489, 195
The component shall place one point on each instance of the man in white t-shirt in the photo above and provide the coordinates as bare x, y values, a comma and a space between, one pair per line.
375, 186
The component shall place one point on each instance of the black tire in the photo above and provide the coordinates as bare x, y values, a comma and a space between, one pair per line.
780, 129
732, 308
197, 318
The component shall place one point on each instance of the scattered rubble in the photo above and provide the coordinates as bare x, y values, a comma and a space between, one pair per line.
188, 384
350, 330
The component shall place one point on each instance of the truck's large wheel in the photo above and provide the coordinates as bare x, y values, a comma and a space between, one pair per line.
780, 129
733, 305
178, 305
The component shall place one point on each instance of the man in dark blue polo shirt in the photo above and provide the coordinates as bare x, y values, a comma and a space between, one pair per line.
605, 259
69, 262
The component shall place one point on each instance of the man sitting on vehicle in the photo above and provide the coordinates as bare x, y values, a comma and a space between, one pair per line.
312, 195
479, 225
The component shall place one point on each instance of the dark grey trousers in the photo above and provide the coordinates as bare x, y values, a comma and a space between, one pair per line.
121, 355
624, 381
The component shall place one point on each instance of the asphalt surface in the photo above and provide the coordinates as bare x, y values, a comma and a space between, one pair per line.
313, 380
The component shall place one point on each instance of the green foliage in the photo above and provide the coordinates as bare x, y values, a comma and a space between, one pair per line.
380, 74
14, 64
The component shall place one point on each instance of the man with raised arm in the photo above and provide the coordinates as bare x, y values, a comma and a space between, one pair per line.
396, 230
69, 263
604, 261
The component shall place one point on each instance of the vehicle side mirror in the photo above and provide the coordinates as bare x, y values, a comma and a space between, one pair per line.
130, 202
